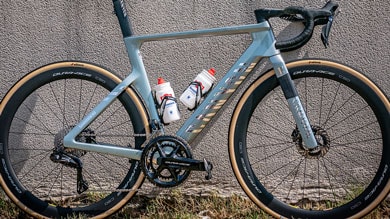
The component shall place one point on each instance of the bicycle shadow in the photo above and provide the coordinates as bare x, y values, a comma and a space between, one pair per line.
17, 140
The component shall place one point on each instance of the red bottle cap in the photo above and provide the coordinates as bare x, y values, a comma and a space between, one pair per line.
212, 71
160, 81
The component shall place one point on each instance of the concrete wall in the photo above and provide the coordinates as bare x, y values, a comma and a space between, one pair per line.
37, 32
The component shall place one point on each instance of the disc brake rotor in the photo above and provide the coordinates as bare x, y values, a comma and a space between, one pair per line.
323, 143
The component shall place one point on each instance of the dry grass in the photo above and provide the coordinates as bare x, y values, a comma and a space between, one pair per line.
177, 205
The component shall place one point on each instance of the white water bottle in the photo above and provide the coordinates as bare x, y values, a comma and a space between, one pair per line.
199, 87
167, 102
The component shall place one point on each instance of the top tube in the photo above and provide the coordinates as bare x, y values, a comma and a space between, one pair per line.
218, 31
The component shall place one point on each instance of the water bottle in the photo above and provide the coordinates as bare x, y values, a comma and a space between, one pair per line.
167, 102
198, 88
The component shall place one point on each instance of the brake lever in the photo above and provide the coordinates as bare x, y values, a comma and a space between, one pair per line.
326, 31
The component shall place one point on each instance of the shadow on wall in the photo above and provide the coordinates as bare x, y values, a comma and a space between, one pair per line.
18, 139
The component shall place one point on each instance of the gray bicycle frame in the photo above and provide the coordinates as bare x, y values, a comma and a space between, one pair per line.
262, 45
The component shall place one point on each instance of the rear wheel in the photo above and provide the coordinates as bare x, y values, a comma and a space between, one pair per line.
38, 173
346, 176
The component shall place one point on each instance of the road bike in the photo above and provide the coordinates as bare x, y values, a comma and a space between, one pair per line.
307, 139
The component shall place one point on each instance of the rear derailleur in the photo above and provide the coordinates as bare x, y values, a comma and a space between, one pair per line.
167, 161
71, 157
72, 161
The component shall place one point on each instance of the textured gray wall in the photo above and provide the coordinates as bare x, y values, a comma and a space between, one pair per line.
37, 32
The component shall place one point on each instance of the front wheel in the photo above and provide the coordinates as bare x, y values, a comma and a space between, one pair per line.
346, 176
38, 173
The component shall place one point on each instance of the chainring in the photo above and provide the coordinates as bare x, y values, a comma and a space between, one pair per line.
164, 174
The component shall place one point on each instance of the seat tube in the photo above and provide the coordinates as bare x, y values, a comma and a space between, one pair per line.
123, 19
294, 103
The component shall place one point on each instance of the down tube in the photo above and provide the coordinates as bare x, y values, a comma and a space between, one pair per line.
216, 99
262, 46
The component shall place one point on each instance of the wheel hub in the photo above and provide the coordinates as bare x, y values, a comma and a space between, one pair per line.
86, 136
323, 143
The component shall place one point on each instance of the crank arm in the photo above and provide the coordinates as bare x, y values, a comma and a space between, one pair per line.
187, 164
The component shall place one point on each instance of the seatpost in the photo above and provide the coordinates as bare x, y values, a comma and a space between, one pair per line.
121, 13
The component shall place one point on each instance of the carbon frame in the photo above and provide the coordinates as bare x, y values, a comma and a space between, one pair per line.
262, 45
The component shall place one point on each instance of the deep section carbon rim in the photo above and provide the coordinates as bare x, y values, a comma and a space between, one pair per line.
36, 163
343, 175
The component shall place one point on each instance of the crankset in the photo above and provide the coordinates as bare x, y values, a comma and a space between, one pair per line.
167, 161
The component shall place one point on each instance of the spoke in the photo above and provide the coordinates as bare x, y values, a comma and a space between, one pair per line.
110, 159
269, 145
80, 98
39, 121
90, 101
334, 177
356, 162
43, 180
268, 137
109, 117
44, 153
91, 176
31, 133
354, 130
48, 106
33, 125
342, 170
271, 155
328, 173
304, 179
352, 114
273, 127
327, 118
342, 105
64, 122
321, 100
284, 102
113, 126
281, 167
32, 167
55, 181
29, 149
357, 148
292, 183
318, 180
